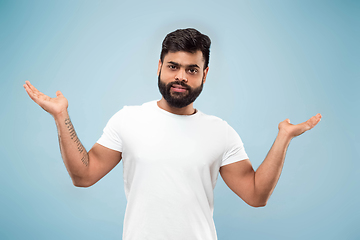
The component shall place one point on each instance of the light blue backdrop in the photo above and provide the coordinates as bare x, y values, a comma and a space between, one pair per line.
270, 60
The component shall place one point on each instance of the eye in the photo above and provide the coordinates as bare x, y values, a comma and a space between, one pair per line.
172, 67
192, 70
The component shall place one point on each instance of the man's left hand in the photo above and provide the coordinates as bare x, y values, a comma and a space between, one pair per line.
291, 130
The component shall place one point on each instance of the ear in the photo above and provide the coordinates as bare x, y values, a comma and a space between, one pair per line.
205, 74
159, 67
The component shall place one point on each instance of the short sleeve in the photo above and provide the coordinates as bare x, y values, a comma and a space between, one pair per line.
111, 133
234, 148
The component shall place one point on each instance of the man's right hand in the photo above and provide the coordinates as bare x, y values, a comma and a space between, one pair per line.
85, 168
55, 106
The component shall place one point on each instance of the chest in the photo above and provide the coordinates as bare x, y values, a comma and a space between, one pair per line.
176, 144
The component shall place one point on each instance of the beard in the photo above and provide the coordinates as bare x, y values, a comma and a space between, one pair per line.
178, 99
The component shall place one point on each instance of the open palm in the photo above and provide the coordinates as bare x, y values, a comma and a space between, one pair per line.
298, 129
54, 106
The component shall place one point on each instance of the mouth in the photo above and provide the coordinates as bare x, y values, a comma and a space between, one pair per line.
178, 88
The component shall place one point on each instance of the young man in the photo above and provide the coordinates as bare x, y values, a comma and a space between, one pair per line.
172, 153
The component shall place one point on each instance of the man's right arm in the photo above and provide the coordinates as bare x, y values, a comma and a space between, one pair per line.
85, 168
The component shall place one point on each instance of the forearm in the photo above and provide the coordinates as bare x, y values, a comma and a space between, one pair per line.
74, 154
268, 173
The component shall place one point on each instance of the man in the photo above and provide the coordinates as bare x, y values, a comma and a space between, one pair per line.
172, 153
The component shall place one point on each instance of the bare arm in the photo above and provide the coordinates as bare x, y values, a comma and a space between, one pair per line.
85, 168
255, 188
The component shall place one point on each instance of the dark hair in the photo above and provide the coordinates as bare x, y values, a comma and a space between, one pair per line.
188, 40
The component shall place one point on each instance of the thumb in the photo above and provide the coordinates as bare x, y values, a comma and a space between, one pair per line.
59, 94
284, 123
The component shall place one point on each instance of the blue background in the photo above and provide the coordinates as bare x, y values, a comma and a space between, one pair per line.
270, 60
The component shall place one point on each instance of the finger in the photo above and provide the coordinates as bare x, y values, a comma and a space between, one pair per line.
27, 87
34, 94
313, 121
28, 90
317, 119
284, 123
30, 93
33, 89
58, 94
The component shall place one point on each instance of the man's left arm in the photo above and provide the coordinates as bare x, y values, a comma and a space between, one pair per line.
255, 187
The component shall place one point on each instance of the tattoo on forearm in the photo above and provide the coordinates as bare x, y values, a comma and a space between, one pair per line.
80, 147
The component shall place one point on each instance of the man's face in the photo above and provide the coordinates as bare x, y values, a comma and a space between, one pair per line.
181, 77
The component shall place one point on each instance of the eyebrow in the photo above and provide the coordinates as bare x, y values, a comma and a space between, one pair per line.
179, 65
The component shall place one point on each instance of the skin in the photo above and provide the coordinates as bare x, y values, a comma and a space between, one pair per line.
182, 66
86, 168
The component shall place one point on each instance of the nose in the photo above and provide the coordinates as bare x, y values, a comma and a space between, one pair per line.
181, 76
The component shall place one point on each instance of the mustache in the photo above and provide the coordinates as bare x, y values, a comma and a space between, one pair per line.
181, 83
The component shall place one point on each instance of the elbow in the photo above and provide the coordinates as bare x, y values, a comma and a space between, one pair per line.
259, 200
258, 204
81, 183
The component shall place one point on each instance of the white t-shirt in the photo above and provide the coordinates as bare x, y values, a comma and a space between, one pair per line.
171, 164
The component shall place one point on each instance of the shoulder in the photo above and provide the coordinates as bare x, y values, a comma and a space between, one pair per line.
132, 114
213, 124
134, 109
211, 119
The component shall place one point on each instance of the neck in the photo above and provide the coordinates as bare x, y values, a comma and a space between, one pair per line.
188, 110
